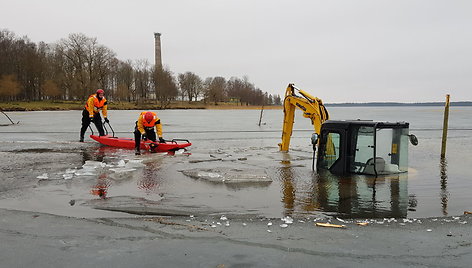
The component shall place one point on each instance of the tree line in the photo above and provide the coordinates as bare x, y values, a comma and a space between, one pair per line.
76, 66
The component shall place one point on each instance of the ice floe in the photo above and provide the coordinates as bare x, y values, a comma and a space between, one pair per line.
229, 175
43, 176
287, 220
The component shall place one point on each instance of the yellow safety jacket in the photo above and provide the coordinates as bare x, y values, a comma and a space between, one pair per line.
143, 124
94, 105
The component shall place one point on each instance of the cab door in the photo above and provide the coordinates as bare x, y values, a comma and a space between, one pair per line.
331, 154
364, 144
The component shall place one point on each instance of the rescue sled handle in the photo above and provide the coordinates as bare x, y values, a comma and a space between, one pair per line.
106, 130
176, 140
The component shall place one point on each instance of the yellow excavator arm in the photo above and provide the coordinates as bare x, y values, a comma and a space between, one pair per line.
312, 108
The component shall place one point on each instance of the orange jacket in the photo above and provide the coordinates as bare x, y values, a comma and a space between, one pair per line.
142, 124
94, 105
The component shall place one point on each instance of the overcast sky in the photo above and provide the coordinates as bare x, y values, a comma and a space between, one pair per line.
337, 50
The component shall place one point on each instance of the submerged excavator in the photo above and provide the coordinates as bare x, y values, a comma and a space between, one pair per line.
348, 146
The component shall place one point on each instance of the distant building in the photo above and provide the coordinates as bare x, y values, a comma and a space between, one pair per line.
235, 100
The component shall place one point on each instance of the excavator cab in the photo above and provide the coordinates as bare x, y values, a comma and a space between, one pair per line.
364, 147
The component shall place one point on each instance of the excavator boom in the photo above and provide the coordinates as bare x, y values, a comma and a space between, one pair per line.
312, 108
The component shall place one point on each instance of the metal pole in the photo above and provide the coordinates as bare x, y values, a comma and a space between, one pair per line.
445, 123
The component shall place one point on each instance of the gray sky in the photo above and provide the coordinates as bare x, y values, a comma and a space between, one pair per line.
337, 50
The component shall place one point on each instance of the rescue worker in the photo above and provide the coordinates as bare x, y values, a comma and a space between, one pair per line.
91, 113
145, 129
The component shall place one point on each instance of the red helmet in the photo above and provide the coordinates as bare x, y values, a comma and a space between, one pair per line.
148, 117
100, 91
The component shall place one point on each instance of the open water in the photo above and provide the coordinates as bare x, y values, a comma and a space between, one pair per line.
231, 143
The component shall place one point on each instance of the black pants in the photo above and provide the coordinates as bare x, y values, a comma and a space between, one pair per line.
97, 120
150, 134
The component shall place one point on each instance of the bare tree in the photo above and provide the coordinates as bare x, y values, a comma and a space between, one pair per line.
165, 86
277, 100
191, 84
9, 87
125, 81
18, 57
29, 69
8, 54
235, 88
215, 89
50, 89
142, 79
85, 63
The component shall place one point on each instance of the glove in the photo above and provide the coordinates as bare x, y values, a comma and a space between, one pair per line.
106, 120
161, 140
144, 137
152, 147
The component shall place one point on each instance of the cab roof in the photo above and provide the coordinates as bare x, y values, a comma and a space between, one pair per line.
368, 123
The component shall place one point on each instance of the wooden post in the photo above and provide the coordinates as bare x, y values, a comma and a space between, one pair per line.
445, 123
260, 117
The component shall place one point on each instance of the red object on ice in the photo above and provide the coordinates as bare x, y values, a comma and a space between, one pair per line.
167, 146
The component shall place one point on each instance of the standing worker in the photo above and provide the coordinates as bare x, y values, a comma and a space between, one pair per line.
145, 128
91, 113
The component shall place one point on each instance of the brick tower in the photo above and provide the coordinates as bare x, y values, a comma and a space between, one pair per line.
157, 47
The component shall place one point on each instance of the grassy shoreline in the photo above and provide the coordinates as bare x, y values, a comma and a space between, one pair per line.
78, 105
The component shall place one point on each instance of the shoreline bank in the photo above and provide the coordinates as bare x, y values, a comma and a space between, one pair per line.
76, 105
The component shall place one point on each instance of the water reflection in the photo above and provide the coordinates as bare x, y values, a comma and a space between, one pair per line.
347, 197
120, 172
443, 181
288, 190
149, 181
100, 189
94, 155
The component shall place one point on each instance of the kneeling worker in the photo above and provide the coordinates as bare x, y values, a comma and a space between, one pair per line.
145, 128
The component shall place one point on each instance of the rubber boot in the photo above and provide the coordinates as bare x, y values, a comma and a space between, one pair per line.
82, 133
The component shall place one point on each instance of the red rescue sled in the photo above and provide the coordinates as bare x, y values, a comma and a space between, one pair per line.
167, 146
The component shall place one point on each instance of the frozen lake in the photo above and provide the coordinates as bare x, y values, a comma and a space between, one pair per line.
46, 169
